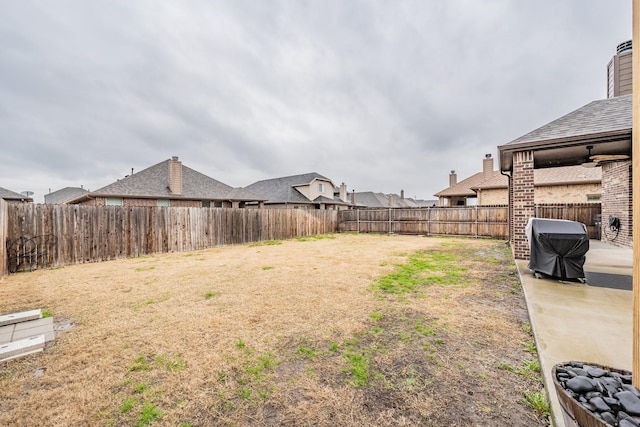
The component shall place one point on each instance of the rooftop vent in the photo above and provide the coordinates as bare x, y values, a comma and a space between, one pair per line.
622, 47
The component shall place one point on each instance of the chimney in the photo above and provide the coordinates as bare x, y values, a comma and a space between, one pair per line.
175, 176
487, 167
401, 194
453, 179
390, 200
343, 192
353, 197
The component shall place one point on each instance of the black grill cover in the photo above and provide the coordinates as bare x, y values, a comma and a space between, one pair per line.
558, 247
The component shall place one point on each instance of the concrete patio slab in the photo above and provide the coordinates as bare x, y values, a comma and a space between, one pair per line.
575, 321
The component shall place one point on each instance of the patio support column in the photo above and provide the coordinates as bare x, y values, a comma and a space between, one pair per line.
635, 156
522, 207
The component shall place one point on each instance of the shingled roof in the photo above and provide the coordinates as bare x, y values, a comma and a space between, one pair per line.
603, 124
464, 187
565, 175
64, 195
283, 190
12, 195
601, 116
153, 182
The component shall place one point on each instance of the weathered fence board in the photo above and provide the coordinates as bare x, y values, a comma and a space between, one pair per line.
476, 221
581, 212
99, 233
473, 221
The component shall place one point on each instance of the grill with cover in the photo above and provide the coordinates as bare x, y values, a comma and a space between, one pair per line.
557, 247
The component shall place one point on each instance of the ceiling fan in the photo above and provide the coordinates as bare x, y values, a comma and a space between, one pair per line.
591, 161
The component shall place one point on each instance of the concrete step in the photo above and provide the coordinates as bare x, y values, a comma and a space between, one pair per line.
31, 328
24, 316
21, 347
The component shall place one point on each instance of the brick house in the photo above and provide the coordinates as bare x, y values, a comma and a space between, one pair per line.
597, 134
570, 184
169, 183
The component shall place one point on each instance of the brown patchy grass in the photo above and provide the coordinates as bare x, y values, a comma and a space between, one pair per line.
290, 333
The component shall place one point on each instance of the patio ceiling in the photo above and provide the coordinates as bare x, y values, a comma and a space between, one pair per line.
568, 151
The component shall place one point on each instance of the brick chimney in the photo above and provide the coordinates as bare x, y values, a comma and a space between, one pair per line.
175, 176
453, 179
401, 194
487, 167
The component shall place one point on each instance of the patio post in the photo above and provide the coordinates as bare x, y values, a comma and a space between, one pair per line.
635, 143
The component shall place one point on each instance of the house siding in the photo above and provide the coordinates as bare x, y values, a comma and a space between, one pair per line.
311, 191
497, 196
572, 193
575, 193
102, 201
617, 201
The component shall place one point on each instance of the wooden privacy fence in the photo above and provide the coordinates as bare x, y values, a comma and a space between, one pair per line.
581, 212
40, 235
470, 221
475, 221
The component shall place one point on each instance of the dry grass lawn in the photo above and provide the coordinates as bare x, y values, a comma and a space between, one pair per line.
296, 332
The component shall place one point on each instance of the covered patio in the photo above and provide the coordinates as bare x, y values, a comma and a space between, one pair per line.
595, 135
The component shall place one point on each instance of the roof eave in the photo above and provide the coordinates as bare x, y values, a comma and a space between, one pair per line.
505, 152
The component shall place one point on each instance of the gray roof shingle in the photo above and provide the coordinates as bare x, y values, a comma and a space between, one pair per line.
64, 195
154, 182
605, 115
564, 175
12, 195
282, 190
372, 199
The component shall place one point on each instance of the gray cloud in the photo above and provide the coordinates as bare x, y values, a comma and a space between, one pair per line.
381, 95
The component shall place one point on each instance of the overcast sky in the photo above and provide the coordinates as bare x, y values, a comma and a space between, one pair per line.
381, 95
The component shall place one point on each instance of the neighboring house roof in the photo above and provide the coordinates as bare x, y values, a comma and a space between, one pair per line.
425, 203
12, 195
283, 190
606, 121
372, 199
464, 187
564, 175
64, 195
153, 183
567, 175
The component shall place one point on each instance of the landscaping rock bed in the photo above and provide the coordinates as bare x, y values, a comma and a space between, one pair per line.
595, 395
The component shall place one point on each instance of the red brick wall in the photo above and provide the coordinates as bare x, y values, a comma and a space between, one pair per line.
617, 201
522, 202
